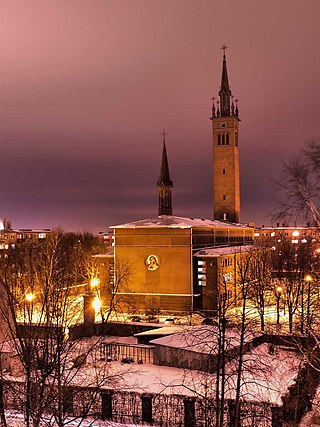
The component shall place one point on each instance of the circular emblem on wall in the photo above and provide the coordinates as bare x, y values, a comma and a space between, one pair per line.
152, 262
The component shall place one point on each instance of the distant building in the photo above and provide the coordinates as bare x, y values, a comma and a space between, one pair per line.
10, 239
296, 235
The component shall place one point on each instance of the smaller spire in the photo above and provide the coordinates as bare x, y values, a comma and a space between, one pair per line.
164, 177
218, 109
232, 106
213, 110
237, 109
164, 183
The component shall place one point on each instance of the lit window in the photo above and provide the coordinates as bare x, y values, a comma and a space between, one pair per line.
202, 283
256, 234
295, 241
304, 241
295, 233
42, 235
201, 263
273, 234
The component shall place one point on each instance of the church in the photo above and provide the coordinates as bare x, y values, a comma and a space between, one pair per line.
174, 264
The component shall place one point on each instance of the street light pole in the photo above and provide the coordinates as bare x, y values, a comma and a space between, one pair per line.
278, 296
308, 279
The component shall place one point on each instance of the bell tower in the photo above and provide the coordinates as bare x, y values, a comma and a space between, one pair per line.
164, 184
225, 132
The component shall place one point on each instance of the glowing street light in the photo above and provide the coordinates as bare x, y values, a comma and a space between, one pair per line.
308, 279
30, 297
96, 304
278, 296
94, 282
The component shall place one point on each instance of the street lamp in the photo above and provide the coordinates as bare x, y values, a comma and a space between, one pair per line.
278, 296
308, 279
30, 297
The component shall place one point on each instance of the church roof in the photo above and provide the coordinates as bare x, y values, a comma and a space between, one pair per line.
224, 250
179, 222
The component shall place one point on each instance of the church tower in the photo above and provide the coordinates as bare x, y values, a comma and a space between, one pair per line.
164, 184
225, 131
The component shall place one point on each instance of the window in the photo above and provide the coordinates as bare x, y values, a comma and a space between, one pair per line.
68, 400
227, 139
224, 197
219, 139
146, 409
106, 406
223, 139
236, 139
189, 413
223, 171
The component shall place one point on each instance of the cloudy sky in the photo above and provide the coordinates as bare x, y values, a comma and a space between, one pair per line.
86, 87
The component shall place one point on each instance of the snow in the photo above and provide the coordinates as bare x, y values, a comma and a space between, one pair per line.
225, 250
179, 222
201, 339
15, 419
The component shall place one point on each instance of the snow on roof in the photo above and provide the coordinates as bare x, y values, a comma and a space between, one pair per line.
166, 330
201, 339
225, 250
179, 222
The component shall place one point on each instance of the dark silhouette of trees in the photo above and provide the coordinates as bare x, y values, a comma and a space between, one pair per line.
299, 186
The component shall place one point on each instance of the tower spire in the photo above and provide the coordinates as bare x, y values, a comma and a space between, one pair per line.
225, 132
164, 184
225, 92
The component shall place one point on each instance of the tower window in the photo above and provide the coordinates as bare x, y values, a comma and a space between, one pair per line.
223, 171
224, 197
223, 139
227, 139
219, 139
236, 139
223, 125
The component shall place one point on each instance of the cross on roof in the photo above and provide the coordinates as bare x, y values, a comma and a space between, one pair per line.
224, 48
164, 133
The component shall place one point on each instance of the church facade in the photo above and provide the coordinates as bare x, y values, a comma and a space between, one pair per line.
176, 264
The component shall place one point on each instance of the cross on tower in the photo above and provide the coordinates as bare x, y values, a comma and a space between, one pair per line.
164, 133
224, 48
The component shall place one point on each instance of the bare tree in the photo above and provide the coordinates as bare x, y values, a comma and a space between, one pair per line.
38, 283
299, 186
261, 265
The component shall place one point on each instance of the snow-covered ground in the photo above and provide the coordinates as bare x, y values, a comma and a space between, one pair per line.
15, 419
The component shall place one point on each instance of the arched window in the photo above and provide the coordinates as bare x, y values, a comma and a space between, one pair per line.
219, 139
227, 139
223, 139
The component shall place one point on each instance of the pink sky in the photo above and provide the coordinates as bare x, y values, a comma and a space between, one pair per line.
86, 87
